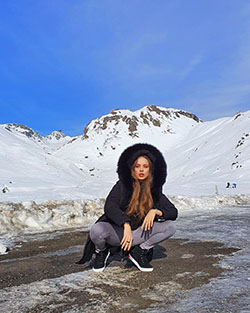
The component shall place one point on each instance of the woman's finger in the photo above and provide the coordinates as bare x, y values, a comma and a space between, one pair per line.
126, 246
126, 243
147, 224
143, 224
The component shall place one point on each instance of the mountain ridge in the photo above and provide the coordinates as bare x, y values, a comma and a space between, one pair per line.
201, 156
150, 116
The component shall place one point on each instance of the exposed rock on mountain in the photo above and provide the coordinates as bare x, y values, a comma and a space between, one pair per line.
24, 130
135, 123
57, 134
31, 134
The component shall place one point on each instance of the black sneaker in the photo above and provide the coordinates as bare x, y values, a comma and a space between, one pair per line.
139, 257
101, 260
149, 254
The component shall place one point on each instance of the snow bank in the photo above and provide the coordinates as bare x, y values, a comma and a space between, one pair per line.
55, 215
187, 204
48, 216
29, 217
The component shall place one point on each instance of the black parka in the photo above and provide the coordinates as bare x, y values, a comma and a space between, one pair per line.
120, 195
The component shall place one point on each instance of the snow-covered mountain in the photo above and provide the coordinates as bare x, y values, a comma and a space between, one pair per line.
149, 120
28, 168
106, 137
202, 156
213, 154
19, 129
56, 140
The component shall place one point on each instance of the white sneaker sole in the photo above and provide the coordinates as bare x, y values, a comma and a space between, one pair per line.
98, 270
143, 269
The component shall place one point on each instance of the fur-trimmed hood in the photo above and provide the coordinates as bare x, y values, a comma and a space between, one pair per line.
129, 155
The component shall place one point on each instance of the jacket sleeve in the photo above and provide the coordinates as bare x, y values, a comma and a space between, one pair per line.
167, 208
112, 208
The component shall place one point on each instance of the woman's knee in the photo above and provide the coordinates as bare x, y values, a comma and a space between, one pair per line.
168, 228
171, 228
97, 231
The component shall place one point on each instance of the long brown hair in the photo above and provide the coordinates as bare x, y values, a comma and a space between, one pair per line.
141, 201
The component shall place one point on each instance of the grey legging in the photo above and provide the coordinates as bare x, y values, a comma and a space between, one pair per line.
103, 233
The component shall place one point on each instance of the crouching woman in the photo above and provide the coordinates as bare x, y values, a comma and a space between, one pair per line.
137, 215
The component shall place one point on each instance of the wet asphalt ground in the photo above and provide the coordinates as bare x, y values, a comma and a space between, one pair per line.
192, 272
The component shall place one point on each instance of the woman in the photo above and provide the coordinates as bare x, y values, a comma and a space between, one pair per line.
137, 215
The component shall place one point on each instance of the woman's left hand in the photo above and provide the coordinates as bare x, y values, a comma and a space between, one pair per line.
149, 219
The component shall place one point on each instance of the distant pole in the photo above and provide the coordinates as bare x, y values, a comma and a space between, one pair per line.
216, 190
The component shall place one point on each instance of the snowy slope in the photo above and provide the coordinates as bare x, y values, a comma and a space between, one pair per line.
29, 171
201, 157
214, 153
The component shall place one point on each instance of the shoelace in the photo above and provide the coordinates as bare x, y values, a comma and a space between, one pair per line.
100, 257
143, 257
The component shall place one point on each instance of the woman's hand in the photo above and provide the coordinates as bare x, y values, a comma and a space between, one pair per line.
127, 239
149, 219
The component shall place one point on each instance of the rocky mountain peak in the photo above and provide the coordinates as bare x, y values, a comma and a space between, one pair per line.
57, 134
23, 129
150, 116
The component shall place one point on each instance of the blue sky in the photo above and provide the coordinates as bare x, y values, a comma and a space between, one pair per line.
64, 63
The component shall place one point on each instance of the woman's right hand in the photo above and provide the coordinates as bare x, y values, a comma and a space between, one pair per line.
127, 239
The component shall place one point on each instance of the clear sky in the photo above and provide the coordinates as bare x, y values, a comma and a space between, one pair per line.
66, 62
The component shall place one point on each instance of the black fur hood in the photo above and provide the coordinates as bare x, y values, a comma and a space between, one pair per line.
129, 155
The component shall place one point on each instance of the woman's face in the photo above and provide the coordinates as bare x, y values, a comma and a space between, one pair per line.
141, 168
